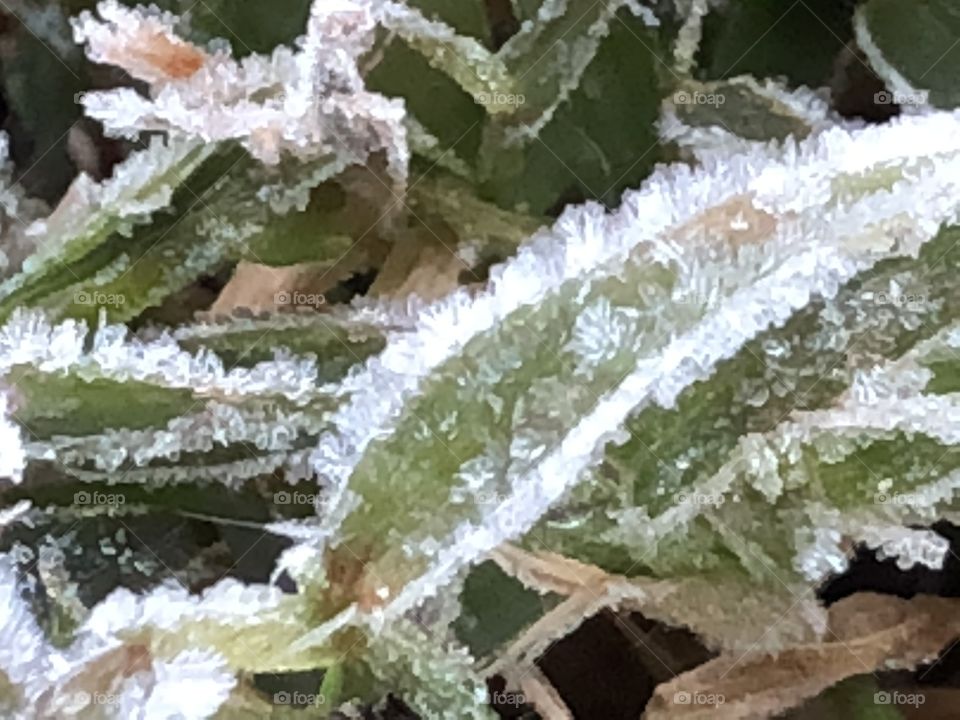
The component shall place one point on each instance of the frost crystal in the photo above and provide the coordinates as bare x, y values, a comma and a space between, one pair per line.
12, 453
16, 214
310, 103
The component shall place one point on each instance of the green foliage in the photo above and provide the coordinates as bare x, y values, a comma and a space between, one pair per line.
798, 41
699, 392
918, 42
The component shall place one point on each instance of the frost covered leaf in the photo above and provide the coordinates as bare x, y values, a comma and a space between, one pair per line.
911, 47
310, 103
687, 510
305, 113
225, 208
545, 373
425, 74
558, 80
882, 467
73, 242
141, 42
447, 122
465, 59
601, 138
721, 115
336, 340
143, 651
167, 415
439, 673
550, 56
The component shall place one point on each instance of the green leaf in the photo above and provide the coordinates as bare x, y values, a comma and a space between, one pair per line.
89, 230
251, 26
496, 607
854, 698
748, 109
337, 342
447, 111
70, 405
912, 46
774, 38
803, 366
467, 17
594, 146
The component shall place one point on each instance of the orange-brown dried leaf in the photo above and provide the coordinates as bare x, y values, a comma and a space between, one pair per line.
868, 632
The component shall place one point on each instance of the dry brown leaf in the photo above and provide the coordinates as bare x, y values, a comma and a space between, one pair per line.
142, 43
537, 691
262, 288
548, 572
696, 603
361, 204
421, 264
868, 632
450, 237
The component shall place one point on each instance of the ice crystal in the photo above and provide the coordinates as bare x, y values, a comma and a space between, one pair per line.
310, 102
17, 212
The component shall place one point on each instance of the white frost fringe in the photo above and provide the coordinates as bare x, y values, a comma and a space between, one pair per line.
60, 683
851, 235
